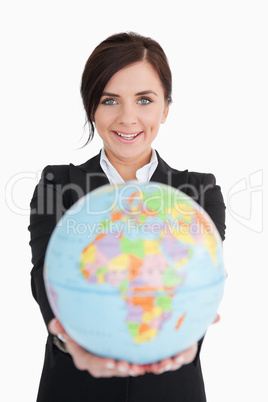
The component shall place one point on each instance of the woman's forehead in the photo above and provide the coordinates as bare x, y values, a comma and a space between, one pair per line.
136, 78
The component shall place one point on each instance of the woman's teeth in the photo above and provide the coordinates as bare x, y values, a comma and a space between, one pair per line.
127, 137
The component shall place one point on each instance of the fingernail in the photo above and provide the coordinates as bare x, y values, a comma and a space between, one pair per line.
61, 337
122, 369
57, 325
132, 373
179, 360
168, 367
164, 369
110, 365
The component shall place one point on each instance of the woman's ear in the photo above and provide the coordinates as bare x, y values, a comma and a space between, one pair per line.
165, 113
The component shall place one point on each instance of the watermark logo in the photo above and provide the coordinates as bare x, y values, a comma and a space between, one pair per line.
129, 225
245, 201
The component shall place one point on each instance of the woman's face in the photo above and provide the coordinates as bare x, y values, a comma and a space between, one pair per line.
130, 112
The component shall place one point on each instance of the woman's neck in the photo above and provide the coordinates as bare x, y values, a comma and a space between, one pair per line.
127, 168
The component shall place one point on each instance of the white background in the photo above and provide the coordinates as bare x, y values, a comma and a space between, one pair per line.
218, 122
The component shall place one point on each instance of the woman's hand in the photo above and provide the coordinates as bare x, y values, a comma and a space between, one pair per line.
105, 367
176, 362
97, 366
173, 363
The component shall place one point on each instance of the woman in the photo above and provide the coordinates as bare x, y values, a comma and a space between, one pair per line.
126, 91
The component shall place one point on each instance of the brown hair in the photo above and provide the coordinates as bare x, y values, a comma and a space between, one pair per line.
110, 56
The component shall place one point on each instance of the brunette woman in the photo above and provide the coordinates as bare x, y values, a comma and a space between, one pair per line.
126, 90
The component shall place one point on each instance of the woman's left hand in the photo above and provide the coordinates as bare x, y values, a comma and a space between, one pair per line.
173, 363
177, 361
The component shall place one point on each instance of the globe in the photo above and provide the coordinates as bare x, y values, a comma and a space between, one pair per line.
135, 271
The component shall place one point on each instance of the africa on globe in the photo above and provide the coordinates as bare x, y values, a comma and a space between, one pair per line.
135, 271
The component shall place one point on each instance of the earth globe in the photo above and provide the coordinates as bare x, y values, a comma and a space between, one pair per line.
135, 271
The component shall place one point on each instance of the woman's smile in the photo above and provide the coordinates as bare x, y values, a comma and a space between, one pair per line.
127, 138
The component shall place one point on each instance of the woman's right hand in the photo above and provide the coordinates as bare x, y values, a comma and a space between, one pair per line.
97, 366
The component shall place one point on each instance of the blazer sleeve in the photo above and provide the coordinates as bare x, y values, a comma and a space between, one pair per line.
203, 189
214, 205
47, 207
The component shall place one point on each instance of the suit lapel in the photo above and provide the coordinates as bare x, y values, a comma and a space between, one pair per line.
167, 175
89, 176
86, 177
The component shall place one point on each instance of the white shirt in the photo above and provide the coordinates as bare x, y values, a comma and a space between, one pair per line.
143, 174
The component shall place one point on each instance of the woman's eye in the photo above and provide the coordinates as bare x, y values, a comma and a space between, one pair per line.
108, 102
144, 101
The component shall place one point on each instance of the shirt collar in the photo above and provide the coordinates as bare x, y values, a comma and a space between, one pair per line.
143, 174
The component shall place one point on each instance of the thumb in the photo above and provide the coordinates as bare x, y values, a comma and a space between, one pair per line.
217, 319
55, 327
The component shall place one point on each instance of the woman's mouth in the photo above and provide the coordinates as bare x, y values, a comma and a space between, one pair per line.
127, 137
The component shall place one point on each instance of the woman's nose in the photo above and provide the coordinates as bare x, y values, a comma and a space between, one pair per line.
127, 115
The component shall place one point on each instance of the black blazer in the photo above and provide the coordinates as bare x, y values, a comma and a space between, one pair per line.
60, 186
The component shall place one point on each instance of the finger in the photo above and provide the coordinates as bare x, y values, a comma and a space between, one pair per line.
81, 359
189, 355
217, 319
86, 361
59, 327
52, 326
95, 365
162, 366
123, 368
178, 361
185, 357
137, 369
56, 328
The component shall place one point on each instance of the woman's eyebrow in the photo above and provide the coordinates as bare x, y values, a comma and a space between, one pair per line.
147, 92
110, 94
